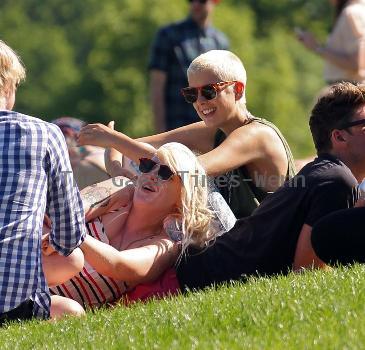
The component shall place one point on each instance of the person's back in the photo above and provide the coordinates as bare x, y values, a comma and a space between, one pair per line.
35, 178
28, 146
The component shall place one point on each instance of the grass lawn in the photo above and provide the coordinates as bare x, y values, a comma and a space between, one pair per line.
315, 310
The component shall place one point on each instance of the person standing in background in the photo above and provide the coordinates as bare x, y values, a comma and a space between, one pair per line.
87, 162
344, 52
174, 48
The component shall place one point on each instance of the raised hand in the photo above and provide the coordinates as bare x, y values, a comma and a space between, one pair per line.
96, 135
308, 40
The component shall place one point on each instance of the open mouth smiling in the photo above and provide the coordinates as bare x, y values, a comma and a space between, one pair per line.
149, 188
208, 111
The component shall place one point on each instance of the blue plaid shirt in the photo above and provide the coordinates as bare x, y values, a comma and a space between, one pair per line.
35, 177
174, 48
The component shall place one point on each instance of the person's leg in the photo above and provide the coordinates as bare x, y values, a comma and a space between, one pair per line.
61, 306
58, 269
340, 237
24, 311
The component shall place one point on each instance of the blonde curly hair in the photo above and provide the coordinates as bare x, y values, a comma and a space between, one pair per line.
194, 213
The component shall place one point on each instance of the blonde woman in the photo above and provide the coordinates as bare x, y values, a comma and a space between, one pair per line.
136, 234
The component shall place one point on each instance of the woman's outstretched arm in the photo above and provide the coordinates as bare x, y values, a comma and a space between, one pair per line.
196, 136
104, 136
137, 265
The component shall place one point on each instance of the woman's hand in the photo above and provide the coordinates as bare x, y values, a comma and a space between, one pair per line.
308, 40
96, 135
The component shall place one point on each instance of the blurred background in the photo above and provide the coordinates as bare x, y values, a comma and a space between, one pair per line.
88, 58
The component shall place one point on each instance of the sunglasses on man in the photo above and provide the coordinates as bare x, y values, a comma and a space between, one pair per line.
146, 165
209, 91
353, 123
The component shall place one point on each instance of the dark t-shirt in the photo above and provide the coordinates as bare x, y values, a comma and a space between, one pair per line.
265, 242
174, 48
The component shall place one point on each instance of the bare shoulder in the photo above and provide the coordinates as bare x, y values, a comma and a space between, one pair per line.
258, 133
263, 141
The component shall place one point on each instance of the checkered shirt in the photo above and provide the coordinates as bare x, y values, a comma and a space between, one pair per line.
174, 48
35, 178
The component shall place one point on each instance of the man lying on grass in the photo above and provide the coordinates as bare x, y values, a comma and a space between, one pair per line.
277, 237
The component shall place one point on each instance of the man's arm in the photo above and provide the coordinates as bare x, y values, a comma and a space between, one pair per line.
325, 197
157, 94
305, 257
64, 203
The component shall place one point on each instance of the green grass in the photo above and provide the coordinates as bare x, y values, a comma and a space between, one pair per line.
315, 310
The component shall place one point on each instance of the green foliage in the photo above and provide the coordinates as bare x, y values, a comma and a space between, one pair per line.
315, 310
89, 58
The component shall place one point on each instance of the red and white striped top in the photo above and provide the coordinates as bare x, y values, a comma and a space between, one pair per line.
88, 287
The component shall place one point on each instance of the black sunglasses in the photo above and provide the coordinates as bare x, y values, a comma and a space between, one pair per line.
200, 1
350, 124
146, 165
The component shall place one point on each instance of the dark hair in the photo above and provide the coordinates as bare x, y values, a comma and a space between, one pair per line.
339, 7
334, 109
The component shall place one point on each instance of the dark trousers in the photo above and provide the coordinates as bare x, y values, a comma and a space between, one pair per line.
339, 238
22, 312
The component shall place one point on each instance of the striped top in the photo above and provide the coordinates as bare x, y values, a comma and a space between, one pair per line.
88, 287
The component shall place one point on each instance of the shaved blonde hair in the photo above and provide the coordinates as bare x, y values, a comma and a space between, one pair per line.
224, 64
12, 71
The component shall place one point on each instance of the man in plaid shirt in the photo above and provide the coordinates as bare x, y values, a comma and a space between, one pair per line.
35, 179
174, 48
